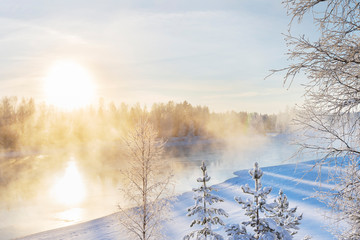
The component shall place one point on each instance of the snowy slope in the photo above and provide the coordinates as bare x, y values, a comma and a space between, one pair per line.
297, 186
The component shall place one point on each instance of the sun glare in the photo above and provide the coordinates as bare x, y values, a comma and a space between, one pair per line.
69, 86
71, 215
69, 189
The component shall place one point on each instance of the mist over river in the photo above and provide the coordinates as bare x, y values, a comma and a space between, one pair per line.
100, 194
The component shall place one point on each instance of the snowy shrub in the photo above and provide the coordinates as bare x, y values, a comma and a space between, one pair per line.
206, 215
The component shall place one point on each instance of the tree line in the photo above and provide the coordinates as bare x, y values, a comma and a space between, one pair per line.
25, 123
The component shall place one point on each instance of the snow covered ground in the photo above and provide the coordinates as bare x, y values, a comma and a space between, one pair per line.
296, 183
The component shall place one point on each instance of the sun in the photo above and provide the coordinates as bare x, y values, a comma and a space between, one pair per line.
69, 189
68, 85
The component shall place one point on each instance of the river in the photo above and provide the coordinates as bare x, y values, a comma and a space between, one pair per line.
90, 201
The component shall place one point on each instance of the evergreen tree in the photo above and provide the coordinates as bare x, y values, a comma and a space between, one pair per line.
283, 216
235, 232
206, 215
267, 221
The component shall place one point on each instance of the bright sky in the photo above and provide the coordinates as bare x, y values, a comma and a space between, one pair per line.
208, 52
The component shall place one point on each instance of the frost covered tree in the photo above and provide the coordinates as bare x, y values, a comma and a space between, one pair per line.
284, 216
237, 232
262, 227
331, 63
148, 184
344, 199
267, 221
206, 215
330, 59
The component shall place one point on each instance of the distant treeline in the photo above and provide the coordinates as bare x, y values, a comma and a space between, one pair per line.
24, 123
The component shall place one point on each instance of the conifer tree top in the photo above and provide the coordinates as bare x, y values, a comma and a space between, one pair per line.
256, 172
205, 177
203, 166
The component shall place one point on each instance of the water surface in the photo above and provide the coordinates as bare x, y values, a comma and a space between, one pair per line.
102, 196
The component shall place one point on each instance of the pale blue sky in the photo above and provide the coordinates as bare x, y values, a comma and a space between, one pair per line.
213, 53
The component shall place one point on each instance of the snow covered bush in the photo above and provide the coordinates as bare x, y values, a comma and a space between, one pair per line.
267, 221
206, 215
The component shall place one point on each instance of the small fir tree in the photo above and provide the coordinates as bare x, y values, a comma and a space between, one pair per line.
206, 215
265, 219
283, 215
235, 232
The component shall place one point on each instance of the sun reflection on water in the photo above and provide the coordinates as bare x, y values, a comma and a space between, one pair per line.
70, 188
71, 215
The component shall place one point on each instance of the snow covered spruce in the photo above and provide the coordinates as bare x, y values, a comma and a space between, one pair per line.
271, 221
206, 215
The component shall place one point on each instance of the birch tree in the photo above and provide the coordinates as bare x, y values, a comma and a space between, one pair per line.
344, 199
330, 115
331, 64
148, 185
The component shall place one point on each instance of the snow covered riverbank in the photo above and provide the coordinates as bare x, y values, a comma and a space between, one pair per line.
290, 177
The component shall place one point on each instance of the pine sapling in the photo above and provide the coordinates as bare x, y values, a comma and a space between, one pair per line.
206, 214
267, 221
283, 215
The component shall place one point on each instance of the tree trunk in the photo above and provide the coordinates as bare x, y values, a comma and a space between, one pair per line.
257, 210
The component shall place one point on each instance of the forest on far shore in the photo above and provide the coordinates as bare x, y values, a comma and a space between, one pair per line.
27, 124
